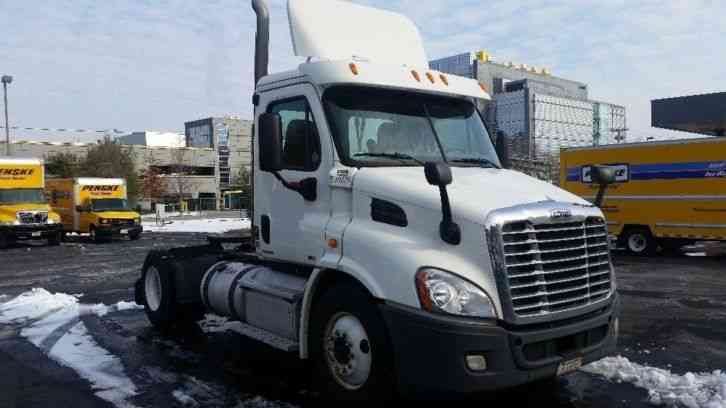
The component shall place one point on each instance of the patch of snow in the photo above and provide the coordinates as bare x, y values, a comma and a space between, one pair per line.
184, 399
77, 350
692, 390
208, 225
52, 322
34, 304
122, 305
696, 254
260, 402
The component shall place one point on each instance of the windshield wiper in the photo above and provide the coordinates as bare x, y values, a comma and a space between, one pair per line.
477, 160
396, 155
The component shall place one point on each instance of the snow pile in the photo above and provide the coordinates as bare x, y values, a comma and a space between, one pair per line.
52, 322
208, 225
707, 390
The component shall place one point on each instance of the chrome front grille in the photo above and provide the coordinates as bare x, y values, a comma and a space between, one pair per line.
32, 217
555, 266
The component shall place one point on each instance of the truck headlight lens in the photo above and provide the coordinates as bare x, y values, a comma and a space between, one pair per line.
103, 221
445, 292
137, 221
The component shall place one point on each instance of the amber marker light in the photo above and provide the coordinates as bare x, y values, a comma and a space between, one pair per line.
353, 68
416, 76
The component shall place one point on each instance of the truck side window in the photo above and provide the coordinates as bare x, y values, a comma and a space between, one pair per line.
300, 140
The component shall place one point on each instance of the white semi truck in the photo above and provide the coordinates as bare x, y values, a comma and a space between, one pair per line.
389, 247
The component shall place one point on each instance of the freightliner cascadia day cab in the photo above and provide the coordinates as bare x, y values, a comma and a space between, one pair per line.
666, 193
24, 211
389, 248
95, 206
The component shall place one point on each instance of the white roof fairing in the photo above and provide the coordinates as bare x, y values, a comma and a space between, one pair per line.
335, 29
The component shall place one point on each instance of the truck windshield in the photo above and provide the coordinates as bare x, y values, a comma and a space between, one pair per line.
381, 127
109, 204
24, 195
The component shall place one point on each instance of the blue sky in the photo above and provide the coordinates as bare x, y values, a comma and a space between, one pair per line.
154, 64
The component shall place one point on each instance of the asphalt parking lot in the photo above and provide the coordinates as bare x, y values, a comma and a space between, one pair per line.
674, 318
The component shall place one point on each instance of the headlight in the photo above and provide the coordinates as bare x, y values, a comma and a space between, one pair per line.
103, 221
445, 292
137, 220
51, 221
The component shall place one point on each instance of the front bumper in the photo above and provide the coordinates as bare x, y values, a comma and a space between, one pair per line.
118, 230
430, 350
32, 231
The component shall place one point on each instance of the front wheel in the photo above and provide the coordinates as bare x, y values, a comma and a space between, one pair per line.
351, 350
55, 239
133, 236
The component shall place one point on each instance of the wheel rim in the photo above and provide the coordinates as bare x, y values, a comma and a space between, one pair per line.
637, 242
348, 351
152, 288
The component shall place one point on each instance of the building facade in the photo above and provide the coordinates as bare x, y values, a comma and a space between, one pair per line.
538, 113
230, 137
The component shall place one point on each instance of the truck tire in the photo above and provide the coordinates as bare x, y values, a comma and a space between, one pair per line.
55, 239
97, 238
639, 241
351, 351
134, 236
159, 297
6, 240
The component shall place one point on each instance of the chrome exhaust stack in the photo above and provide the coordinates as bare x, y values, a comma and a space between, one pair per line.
262, 38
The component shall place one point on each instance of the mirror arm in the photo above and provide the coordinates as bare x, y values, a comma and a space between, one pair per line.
448, 229
307, 187
600, 195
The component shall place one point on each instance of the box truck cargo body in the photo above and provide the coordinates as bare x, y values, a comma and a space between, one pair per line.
668, 193
97, 206
24, 212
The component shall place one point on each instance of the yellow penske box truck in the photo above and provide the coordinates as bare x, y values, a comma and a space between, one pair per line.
24, 211
95, 206
667, 193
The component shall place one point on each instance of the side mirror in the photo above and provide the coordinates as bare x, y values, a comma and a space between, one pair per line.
603, 175
270, 142
503, 150
438, 174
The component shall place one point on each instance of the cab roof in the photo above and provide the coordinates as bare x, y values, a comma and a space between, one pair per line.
359, 72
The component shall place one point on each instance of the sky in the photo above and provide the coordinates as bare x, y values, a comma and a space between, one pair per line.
154, 64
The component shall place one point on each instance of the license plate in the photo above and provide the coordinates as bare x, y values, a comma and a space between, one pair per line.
124, 231
569, 366
37, 234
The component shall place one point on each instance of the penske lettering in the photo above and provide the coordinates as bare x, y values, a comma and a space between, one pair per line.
16, 172
100, 188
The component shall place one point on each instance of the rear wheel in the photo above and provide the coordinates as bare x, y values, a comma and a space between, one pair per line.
639, 241
159, 297
351, 350
134, 235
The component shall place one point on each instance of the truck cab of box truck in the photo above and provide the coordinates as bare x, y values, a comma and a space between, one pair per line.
24, 211
95, 206
388, 245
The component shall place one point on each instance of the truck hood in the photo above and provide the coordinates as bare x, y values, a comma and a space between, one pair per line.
473, 193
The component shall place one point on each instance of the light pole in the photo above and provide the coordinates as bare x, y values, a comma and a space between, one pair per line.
6, 79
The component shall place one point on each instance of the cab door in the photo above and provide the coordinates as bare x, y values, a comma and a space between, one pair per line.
290, 227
